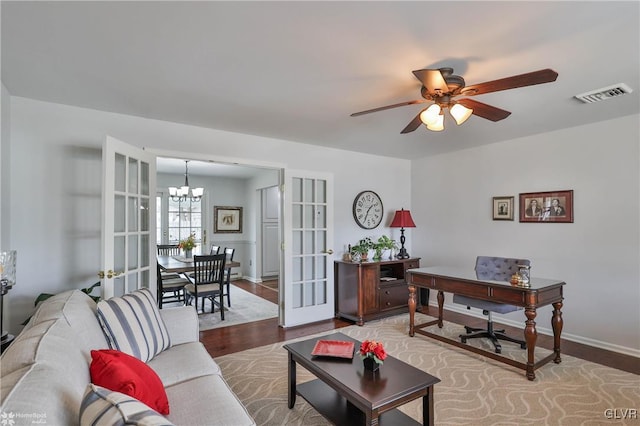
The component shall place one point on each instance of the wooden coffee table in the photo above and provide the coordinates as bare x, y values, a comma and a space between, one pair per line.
346, 394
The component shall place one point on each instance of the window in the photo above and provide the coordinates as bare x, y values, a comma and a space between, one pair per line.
176, 220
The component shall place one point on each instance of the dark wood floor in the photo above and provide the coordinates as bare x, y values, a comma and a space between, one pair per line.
226, 340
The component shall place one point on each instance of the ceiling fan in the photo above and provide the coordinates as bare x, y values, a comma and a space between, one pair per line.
441, 86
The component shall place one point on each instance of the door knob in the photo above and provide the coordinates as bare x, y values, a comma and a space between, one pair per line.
328, 251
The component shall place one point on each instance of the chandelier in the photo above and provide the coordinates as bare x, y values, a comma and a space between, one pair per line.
181, 194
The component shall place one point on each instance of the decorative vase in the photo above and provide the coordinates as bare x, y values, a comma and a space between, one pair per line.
188, 254
370, 364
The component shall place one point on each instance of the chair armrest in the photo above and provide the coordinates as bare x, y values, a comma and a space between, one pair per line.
182, 324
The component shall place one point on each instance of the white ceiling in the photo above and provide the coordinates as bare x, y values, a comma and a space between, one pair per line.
205, 168
297, 70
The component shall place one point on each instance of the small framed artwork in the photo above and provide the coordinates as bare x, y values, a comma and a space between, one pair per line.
503, 208
547, 207
227, 220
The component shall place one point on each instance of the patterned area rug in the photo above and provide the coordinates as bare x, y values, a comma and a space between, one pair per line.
245, 307
474, 390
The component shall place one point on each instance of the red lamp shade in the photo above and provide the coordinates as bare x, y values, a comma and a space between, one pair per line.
402, 219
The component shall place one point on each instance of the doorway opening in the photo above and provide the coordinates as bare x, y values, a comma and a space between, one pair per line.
227, 187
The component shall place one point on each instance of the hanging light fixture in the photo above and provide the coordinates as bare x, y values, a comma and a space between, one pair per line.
433, 117
181, 194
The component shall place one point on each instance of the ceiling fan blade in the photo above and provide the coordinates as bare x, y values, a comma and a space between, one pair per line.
432, 80
417, 101
485, 111
522, 80
415, 123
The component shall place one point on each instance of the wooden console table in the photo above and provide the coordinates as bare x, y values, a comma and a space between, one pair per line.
371, 290
539, 292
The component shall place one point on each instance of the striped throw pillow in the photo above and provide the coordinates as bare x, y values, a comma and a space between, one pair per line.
102, 407
133, 325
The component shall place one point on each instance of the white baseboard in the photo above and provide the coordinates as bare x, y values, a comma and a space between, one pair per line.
546, 331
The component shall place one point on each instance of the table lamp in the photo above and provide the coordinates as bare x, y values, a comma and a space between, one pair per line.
402, 220
8, 280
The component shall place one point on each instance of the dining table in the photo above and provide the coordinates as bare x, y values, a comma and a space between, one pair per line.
180, 264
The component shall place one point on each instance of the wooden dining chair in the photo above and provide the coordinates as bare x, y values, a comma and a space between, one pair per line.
207, 281
169, 250
214, 249
170, 289
228, 252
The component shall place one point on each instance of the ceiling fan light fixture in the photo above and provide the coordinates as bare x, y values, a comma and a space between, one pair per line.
460, 113
430, 115
437, 125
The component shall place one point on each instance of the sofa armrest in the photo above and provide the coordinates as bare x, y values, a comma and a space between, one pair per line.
182, 324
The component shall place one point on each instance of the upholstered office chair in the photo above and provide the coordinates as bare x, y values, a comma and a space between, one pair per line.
170, 289
494, 269
207, 281
229, 252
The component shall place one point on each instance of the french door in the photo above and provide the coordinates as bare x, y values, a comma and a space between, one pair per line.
128, 225
308, 241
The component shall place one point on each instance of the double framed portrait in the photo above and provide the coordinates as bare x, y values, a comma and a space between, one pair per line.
542, 207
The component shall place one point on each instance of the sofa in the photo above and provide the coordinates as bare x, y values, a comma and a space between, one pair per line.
46, 370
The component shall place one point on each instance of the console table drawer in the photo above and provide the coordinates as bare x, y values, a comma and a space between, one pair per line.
393, 296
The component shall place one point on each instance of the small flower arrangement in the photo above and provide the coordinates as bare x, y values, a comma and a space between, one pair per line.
189, 243
373, 349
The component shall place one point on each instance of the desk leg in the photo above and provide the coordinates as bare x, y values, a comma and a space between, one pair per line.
530, 336
556, 324
412, 309
440, 307
292, 381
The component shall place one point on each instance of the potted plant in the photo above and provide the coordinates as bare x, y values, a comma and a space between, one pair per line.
373, 354
187, 245
384, 247
360, 251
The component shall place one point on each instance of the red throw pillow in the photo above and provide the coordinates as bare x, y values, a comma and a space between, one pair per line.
120, 372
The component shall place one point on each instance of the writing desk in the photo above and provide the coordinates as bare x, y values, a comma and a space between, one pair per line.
170, 264
539, 292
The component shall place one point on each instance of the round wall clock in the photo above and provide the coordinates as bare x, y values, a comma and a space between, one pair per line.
368, 209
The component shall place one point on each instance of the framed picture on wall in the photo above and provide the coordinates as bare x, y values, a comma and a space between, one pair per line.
503, 208
547, 207
227, 220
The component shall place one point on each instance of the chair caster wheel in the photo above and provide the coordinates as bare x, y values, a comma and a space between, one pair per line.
498, 350
463, 340
523, 346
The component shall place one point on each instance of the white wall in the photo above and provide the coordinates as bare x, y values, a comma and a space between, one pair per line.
598, 255
56, 184
5, 176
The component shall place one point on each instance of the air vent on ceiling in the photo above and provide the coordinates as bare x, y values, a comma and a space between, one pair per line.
604, 93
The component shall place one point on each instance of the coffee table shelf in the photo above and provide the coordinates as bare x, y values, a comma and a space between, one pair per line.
339, 411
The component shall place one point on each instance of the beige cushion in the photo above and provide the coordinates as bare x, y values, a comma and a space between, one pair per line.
204, 401
183, 362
